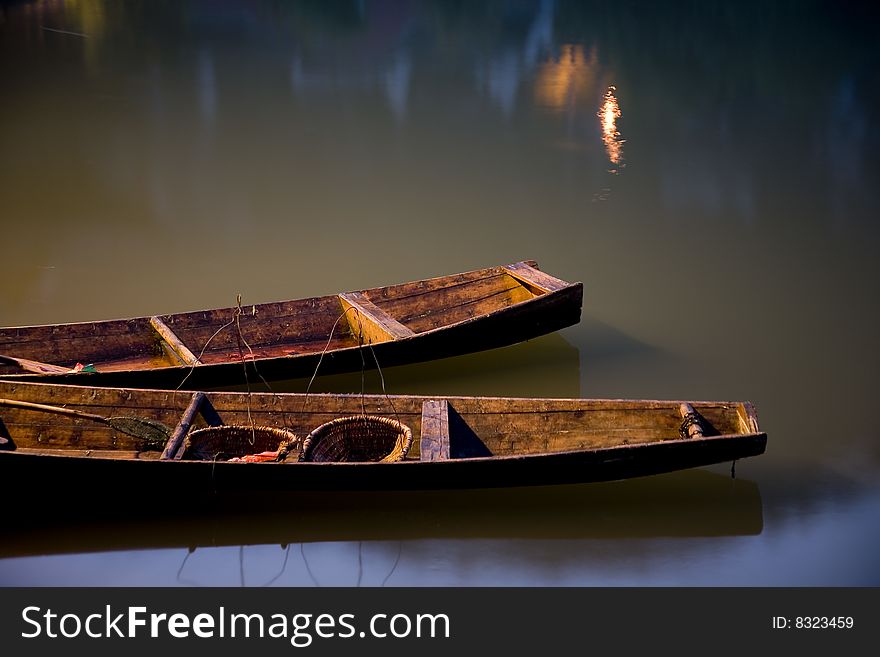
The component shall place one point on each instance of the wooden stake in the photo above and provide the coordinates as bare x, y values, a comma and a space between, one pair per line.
172, 447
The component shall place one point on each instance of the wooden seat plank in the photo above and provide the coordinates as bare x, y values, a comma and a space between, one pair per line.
375, 324
434, 441
532, 277
174, 343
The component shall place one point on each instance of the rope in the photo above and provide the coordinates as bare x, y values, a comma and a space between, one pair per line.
240, 339
242, 344
324, 351
363, 365
690, 420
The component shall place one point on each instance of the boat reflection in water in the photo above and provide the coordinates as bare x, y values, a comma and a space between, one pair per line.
685, 504
550, 359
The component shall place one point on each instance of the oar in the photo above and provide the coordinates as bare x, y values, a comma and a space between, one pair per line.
153, 433
35, 366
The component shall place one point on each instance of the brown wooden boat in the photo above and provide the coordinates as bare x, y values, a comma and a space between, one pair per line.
66, 438
405, 323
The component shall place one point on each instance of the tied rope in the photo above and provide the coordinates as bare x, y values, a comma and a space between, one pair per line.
366, 425
240, 340
242, 344
363, 364
690, 420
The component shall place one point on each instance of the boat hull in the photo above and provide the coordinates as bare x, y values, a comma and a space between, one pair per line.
442, 317
459, 442
146, 478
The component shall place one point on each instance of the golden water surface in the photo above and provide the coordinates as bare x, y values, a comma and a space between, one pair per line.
709, 175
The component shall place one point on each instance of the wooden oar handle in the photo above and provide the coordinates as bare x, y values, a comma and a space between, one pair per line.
58, 410
34, 366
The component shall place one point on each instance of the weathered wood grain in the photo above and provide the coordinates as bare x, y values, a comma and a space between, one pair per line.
426, 287
434, 441
501, 441
170, 339
64, 345
371, 322
449, 315
535, 278
33, 366
453, 309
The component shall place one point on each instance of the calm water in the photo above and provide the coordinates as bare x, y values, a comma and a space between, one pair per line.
708, 171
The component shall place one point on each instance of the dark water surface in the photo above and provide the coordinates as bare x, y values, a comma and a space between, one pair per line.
709, 171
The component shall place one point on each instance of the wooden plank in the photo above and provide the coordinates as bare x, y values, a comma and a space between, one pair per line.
114, 454
748, 419
212, 356
171, 339
172, 447
265, 324
376, 324
456, 293
33, 366
403, 291
434, 442
535, 278
164, 404
446, 312
92, 342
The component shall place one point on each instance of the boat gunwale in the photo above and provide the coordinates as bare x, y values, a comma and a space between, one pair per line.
229, 394
494, 458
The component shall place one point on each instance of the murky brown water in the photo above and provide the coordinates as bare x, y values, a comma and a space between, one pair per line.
709, 172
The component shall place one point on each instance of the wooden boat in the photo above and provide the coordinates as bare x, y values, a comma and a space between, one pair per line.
405, 323
63, 437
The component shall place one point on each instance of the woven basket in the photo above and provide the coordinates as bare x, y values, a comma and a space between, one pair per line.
359, 438
233, 441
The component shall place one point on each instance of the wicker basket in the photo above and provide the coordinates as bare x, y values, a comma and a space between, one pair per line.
233, 441
358, 438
